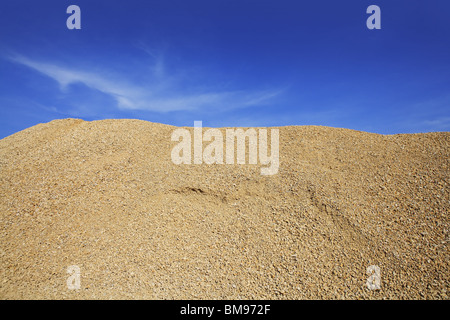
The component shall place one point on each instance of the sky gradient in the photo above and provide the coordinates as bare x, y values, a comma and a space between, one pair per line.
228, 63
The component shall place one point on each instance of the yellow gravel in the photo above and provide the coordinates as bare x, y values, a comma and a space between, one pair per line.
105, 196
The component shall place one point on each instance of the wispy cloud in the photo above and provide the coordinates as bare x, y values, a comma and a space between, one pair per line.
428, 115
158, 66
440, 123
161, 93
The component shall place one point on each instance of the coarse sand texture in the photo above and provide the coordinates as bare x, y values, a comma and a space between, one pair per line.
105, 196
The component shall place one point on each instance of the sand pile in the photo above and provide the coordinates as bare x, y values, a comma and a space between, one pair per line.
106, 196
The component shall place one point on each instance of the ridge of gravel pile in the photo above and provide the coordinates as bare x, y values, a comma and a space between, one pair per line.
105, 196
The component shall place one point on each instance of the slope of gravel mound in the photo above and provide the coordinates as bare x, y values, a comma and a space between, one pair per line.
105, 196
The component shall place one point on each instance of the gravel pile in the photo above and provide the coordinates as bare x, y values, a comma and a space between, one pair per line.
105, 196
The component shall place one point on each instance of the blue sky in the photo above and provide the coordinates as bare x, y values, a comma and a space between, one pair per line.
228, 63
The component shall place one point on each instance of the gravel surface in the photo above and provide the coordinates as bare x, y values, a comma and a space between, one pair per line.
106, 197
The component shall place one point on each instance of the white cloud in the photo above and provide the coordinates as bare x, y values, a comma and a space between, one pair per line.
440, 123
160, 94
